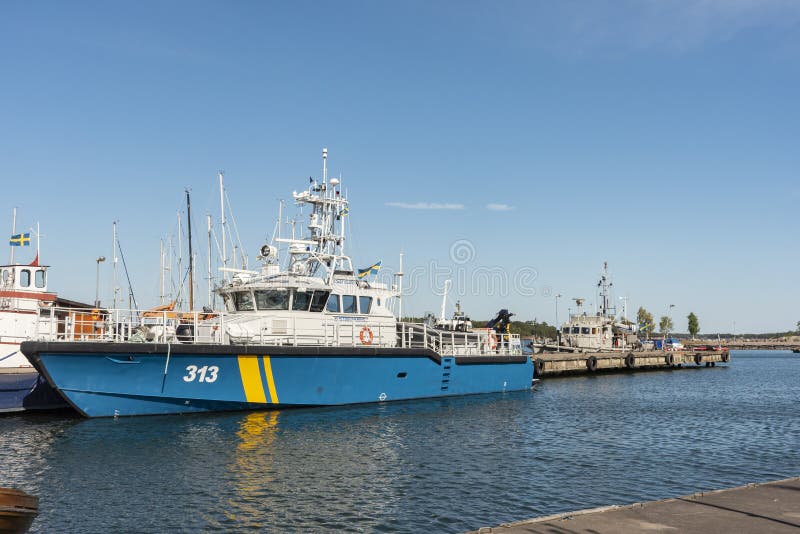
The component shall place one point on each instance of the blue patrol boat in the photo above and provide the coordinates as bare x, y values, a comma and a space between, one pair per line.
312, 332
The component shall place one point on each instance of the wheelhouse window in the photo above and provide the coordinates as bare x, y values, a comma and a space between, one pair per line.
594, 330
243, 301
6, 274
272, 299
333, 304
349, 304
25, 278
585, 330
39, 278
301, 300
576, 330
318, 300
364, 304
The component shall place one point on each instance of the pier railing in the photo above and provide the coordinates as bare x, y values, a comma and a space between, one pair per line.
198, 327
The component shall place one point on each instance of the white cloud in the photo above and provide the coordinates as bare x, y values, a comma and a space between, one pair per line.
425, 206
499, 207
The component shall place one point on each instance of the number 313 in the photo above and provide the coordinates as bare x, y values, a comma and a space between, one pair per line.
203, 374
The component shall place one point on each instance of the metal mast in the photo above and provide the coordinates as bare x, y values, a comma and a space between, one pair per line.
13, 232
223, 222
115, 259
191, 256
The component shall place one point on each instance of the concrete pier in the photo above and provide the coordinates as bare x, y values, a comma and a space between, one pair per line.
557, 363
769, 508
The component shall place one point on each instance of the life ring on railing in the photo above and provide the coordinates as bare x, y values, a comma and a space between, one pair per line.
366, 336
491, 341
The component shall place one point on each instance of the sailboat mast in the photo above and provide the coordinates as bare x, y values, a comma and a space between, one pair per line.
223, 223
208, 224
179, 297
161, 274
114, 257
191, 257
13, 232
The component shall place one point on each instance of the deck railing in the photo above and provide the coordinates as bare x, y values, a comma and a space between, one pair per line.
197, 327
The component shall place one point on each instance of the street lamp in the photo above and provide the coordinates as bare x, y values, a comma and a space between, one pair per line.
558, 327
97, 283
669, 319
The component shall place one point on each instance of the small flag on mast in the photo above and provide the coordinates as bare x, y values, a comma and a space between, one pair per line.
20, 240
369, 270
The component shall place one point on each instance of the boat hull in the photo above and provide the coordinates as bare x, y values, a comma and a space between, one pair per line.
25, 389
121, 379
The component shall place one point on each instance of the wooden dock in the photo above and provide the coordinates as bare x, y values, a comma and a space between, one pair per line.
559, 363
772, 507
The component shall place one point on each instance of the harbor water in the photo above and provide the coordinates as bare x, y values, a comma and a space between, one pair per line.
439, 465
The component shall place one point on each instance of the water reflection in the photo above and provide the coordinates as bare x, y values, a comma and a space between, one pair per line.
443, 465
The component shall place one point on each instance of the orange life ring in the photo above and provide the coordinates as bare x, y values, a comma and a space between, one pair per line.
366, 336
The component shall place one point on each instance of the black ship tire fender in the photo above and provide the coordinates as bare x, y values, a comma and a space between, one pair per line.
538, 366
591, 363
630, 361
726, 356
669, 359
698, 358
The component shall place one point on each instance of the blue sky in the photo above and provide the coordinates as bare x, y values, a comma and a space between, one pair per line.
661, 137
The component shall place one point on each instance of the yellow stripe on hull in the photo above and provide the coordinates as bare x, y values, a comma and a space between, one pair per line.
251, 379
273, 394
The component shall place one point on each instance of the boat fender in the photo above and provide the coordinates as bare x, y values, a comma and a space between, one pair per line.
669, 359
591, 363
630, 361
698, 358
366, 336
491, 341
726, 356
538, 366
185, 333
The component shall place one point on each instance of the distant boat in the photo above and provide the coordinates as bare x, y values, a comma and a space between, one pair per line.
796, 351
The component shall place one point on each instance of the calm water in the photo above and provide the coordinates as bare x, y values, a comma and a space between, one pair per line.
440, 465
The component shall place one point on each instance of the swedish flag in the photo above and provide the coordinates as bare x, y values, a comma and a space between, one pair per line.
344, 211
20, 240
369, 270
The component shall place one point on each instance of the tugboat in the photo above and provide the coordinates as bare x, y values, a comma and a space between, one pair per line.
316, 332
603, 331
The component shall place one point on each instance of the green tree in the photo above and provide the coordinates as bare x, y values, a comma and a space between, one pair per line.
798, 327
665, 324
645, 321
694, 324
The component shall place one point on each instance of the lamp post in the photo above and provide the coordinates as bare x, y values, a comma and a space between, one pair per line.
558, 327
669, 319
97, 282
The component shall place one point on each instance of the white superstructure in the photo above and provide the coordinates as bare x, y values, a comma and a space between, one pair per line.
23, 298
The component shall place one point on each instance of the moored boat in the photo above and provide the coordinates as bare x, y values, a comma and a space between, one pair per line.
17, 510
26, 312
315, 332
